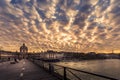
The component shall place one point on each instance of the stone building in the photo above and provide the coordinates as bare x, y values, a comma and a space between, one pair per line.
23, 51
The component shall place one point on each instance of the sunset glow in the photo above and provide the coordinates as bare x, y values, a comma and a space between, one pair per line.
60, 25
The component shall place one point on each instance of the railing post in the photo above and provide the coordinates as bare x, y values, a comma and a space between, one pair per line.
51, 68
43, 65
65, 74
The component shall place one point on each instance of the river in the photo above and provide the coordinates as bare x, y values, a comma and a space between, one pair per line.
108, 67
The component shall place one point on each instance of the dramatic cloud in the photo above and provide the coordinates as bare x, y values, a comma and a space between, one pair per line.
62, 25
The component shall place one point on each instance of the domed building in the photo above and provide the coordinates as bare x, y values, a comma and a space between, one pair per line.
23, 51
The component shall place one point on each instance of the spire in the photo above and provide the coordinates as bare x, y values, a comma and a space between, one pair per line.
23, 44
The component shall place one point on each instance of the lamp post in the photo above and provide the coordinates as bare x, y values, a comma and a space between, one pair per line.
0, 52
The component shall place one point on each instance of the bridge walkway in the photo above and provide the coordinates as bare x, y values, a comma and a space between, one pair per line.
23, 70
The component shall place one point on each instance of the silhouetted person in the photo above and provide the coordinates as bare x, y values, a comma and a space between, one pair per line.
8, 58
15, 59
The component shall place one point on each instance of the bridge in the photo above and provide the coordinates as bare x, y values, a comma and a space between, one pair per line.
34, 68
23, 70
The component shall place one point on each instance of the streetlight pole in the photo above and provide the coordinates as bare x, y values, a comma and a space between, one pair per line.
0, 54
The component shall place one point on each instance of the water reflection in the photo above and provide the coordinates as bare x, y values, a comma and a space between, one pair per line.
109, 67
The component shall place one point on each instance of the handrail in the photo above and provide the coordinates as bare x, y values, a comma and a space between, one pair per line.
5, 58
65, 69
88, 72
74, 75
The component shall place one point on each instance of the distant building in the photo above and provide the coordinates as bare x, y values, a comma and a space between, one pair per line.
23, 51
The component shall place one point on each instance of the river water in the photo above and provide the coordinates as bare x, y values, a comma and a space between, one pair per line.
108, 67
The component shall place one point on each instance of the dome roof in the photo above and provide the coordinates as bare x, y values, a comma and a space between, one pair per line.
23, 47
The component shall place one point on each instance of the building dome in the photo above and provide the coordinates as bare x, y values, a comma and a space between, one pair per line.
23, 49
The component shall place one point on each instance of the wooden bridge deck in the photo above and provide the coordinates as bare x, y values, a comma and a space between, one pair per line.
24, 70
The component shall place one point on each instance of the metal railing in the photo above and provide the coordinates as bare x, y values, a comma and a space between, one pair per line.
5, 58
66, 73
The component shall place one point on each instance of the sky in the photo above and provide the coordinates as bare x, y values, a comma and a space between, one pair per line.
60, 25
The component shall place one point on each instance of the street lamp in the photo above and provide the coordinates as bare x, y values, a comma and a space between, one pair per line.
0, 51
0, 54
